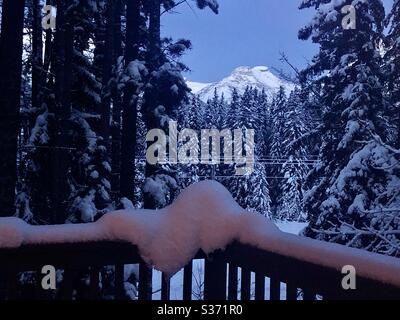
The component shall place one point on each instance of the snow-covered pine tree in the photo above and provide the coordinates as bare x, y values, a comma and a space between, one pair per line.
164, 92
278, 111
250, 191
392, 61
352, 187
90, 167
263, 132
45, 185
275, 154
70, 134
189, 115
248, 116
224, 112
234, 108
197, 110
213, 119
294, 169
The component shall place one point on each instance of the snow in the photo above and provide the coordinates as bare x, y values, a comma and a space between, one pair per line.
94, 174
206, 217
176, 282
86, 207
292, 227
135, 70
259, 77
196, 87
39, 131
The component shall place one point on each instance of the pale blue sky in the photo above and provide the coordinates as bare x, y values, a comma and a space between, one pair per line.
245, 33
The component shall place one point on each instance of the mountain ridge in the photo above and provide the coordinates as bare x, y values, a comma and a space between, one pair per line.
259, 77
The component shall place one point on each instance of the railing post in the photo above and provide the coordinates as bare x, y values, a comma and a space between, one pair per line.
187, 282
245, 284
233, 283
215, 278
274, 289
119, 282
308, 295
11, 285
66, 291
165, 287
291, 292
260, 287
94, 283
145, 282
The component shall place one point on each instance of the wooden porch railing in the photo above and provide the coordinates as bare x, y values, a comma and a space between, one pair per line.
257, 268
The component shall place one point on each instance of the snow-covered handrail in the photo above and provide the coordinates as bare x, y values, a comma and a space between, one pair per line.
204, 217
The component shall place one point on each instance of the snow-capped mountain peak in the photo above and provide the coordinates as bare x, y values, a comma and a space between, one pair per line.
259, 77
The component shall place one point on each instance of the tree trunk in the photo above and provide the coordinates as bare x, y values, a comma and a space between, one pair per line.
60, 141
37, 52
116, 105
153, 61
154, 52
108, 61
10, 86
129, 115
48, 50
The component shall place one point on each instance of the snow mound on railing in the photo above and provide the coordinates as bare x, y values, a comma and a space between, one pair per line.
205, 216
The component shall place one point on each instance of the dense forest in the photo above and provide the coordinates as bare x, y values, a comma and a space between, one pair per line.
77, 101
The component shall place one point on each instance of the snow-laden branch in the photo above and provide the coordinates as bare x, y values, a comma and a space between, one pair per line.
369, 232
381, 211
378, 139
204, 217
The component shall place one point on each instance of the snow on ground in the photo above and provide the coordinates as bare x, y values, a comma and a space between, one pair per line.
292, 227
205, 217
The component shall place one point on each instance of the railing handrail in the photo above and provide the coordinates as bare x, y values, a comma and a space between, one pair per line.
204, 217
292, 271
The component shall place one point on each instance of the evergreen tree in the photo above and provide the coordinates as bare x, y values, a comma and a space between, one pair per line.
275, 147
133, 79
250, 191
10, 86
214, 116
278, 111
294, 168
234, 108
164, 92
352, 183
263, 131
71, 132
392, 60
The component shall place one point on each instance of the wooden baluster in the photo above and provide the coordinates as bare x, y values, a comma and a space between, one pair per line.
245, 284
233, 283
66, 291
308, 295
291, 292
40, 293
187, 282
260, 287
165, 287
12, 285
215, 279
3, 286
94, 288
119, 282
145, 282
274, 289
